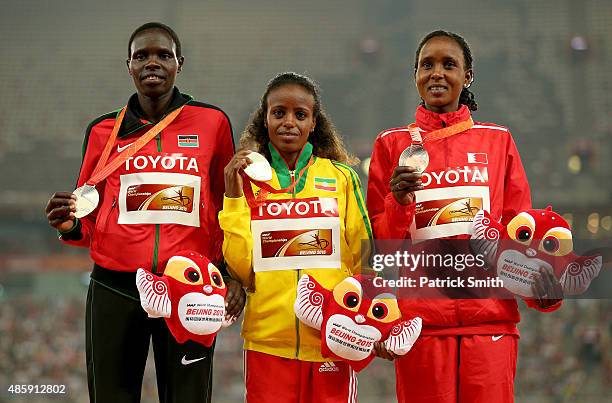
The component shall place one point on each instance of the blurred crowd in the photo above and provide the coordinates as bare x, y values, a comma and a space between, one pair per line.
565, 356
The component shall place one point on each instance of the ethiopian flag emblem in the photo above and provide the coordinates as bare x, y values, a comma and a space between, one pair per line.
328, 184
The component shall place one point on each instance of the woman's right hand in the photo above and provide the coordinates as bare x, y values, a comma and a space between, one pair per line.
233, 179
60, 211
381, 351
404, 182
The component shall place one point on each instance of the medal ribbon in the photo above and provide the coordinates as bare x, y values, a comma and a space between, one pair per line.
102, 171
265, 188
440, 133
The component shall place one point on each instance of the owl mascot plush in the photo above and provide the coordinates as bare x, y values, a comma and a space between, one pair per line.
532, 239
190, 296
352, 317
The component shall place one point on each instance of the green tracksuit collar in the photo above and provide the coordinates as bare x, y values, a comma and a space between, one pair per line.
282, 171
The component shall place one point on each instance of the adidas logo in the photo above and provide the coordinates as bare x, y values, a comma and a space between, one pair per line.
328, 367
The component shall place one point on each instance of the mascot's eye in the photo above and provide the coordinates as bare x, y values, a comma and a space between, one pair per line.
523, 233
192, 274
351, 299
380, 310
550, 244
557, 242
216, 278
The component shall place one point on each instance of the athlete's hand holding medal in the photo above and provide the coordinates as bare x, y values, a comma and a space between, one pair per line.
253, 164
405, 180
406, 177
61, 210
248, 167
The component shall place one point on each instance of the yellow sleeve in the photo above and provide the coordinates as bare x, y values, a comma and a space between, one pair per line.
235, 221
358, 232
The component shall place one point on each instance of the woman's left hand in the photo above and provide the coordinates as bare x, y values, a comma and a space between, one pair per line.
234, 299
547, 290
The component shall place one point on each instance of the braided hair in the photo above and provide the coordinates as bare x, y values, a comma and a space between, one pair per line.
325, 139
466, 97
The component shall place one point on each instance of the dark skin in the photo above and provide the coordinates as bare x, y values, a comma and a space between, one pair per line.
439, 78
547, 290
233, 179
234, 298
404, 182
153, 66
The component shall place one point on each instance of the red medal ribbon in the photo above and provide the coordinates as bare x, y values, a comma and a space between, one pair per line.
444, 132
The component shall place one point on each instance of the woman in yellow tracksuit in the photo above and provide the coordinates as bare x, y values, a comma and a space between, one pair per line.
319, 227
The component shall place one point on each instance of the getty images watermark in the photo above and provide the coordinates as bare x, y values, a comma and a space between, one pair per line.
451, 268
411, 262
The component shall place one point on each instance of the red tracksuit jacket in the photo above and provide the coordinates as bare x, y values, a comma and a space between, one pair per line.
481, 164
163, 199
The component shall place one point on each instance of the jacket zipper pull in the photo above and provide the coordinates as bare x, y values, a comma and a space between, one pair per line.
292, 173
114, 201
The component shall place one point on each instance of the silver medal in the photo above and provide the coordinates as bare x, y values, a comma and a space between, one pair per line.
87, 199
260, 169
415, 156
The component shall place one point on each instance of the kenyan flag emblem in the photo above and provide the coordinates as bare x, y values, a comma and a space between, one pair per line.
328, 184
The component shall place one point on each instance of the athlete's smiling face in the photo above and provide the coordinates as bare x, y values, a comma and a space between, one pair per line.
290, 119
441, 74
153, 63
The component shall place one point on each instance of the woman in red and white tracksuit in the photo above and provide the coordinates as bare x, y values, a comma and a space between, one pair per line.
468, 347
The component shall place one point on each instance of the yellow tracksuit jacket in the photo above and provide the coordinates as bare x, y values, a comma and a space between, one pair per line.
271, 275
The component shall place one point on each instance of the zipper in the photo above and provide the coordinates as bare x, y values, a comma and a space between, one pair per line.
292, 174
297, 321
105, 223
157, 226
297, 325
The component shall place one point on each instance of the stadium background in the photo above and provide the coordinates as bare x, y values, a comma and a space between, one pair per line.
542, 69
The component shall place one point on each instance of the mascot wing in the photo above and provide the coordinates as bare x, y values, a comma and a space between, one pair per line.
403, 335
308, 305
485, 236
579, 274
154, 296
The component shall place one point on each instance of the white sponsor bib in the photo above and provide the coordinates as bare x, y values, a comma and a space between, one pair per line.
295, 234
449, 211
160, 198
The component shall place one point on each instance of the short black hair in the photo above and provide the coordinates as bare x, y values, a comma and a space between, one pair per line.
466, 97
156, 25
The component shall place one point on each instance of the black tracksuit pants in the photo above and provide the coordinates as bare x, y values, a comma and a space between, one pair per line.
118, 331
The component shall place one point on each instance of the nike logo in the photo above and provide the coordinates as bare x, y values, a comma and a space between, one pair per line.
119, 148
185, 361
495, 338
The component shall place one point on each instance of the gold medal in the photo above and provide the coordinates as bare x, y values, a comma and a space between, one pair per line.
260, 169
87, 200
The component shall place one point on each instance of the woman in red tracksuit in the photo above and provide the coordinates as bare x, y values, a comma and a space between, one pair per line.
182, 169
468, 348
